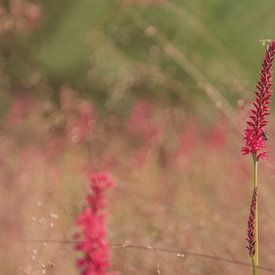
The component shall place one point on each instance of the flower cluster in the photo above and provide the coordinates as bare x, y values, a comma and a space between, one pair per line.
251, 225
92, 241
255, 137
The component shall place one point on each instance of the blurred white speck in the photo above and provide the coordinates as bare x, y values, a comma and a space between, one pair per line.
240, 102
41, 220
51, 225
151, 30
158, 269
54, 216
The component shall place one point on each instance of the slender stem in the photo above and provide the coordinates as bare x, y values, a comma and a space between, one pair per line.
255, 259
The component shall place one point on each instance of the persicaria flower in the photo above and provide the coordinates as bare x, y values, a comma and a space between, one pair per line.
255, 136
251, 225
92, 240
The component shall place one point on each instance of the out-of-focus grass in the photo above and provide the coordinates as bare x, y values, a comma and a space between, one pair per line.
182, 184
220, 39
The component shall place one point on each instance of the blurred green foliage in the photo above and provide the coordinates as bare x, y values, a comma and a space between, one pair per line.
115, 51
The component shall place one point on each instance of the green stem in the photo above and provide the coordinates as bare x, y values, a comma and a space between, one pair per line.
255, 259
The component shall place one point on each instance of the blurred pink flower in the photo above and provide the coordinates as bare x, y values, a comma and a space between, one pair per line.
141, 113
141, 157
188, 143
33, 15
20, 109
255, 137
82, 126
140, 121
218, 134
93, 237
189, 138
54, 147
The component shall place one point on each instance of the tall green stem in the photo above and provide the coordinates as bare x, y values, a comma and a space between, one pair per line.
255, 259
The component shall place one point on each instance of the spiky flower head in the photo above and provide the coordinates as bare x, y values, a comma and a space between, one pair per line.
92, 238
255, 136
251, 225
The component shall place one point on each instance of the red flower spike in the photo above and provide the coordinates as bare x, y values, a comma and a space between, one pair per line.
92, 239
254, 135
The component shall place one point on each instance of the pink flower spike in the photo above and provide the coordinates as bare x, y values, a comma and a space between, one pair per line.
255, 136
92, 238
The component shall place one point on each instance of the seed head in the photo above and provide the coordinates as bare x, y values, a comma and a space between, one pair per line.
251, 225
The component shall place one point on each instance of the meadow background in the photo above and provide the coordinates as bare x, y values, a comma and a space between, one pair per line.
156, 93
